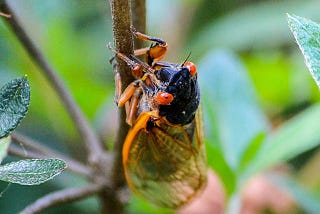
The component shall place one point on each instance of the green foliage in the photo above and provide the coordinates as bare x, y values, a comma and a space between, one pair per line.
307, 35
243, 22
14, 103
31, 172
232, 115
228, 94
4, 144
251, 151
291, 139
239, 140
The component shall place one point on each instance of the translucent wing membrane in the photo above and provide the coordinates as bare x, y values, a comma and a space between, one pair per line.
167, 164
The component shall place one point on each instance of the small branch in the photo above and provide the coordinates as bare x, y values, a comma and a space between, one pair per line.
91, 140
14, 151
41, 151
61, 197
138, 8
123, 41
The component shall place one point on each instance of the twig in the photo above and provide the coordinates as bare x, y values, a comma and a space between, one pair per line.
138, 8
123, 41
91, 140
61, 197
41, 151
14, 151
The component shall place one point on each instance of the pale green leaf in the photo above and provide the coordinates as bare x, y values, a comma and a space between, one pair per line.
307, 35
4, 144
232, 115
291, 139
31, 172
14, 103
251, 151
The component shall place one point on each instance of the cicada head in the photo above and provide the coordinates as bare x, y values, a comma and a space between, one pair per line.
181, 82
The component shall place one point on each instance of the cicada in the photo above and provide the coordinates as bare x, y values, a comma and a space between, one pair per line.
163, 154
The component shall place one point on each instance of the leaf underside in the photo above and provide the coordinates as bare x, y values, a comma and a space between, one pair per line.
307, 35
14, 103
32, 171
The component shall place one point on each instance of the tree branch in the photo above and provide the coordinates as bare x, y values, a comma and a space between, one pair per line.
41, 151
123, 41
138, 8
15, 151
91, 140
61, 197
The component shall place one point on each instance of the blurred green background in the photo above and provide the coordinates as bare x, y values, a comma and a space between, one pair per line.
246, 55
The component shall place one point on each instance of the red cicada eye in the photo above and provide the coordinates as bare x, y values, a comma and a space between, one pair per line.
164, 98
192, 68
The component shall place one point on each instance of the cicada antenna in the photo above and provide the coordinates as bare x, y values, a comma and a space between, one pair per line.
186, 59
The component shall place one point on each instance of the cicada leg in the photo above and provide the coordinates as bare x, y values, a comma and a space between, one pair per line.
132, 93
153, 53
128, 92
131, 116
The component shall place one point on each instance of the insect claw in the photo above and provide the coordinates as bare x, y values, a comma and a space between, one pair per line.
133, 30
109, 46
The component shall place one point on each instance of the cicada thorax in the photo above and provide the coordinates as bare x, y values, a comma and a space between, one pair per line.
178, 81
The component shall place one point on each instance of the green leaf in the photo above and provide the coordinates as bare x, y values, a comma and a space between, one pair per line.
294, 137
232, 115
251, 151
218, 163
247, 35
31, 172
4, 144
14, 103
307, 35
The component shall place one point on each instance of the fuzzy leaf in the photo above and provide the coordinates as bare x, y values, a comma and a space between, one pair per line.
4, 144
14, 103
307, 35
31, 172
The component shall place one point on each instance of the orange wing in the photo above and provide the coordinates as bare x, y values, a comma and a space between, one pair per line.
166, 164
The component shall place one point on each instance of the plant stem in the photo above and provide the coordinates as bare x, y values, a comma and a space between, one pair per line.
123, 41
41, 151
61, 197
91, 140
138, 8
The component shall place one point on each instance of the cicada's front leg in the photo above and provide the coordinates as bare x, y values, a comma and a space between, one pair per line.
130, 96
155, 52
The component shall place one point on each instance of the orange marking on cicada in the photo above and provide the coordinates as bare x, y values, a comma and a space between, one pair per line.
157, 51
192, 68
164, 98
141, 123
